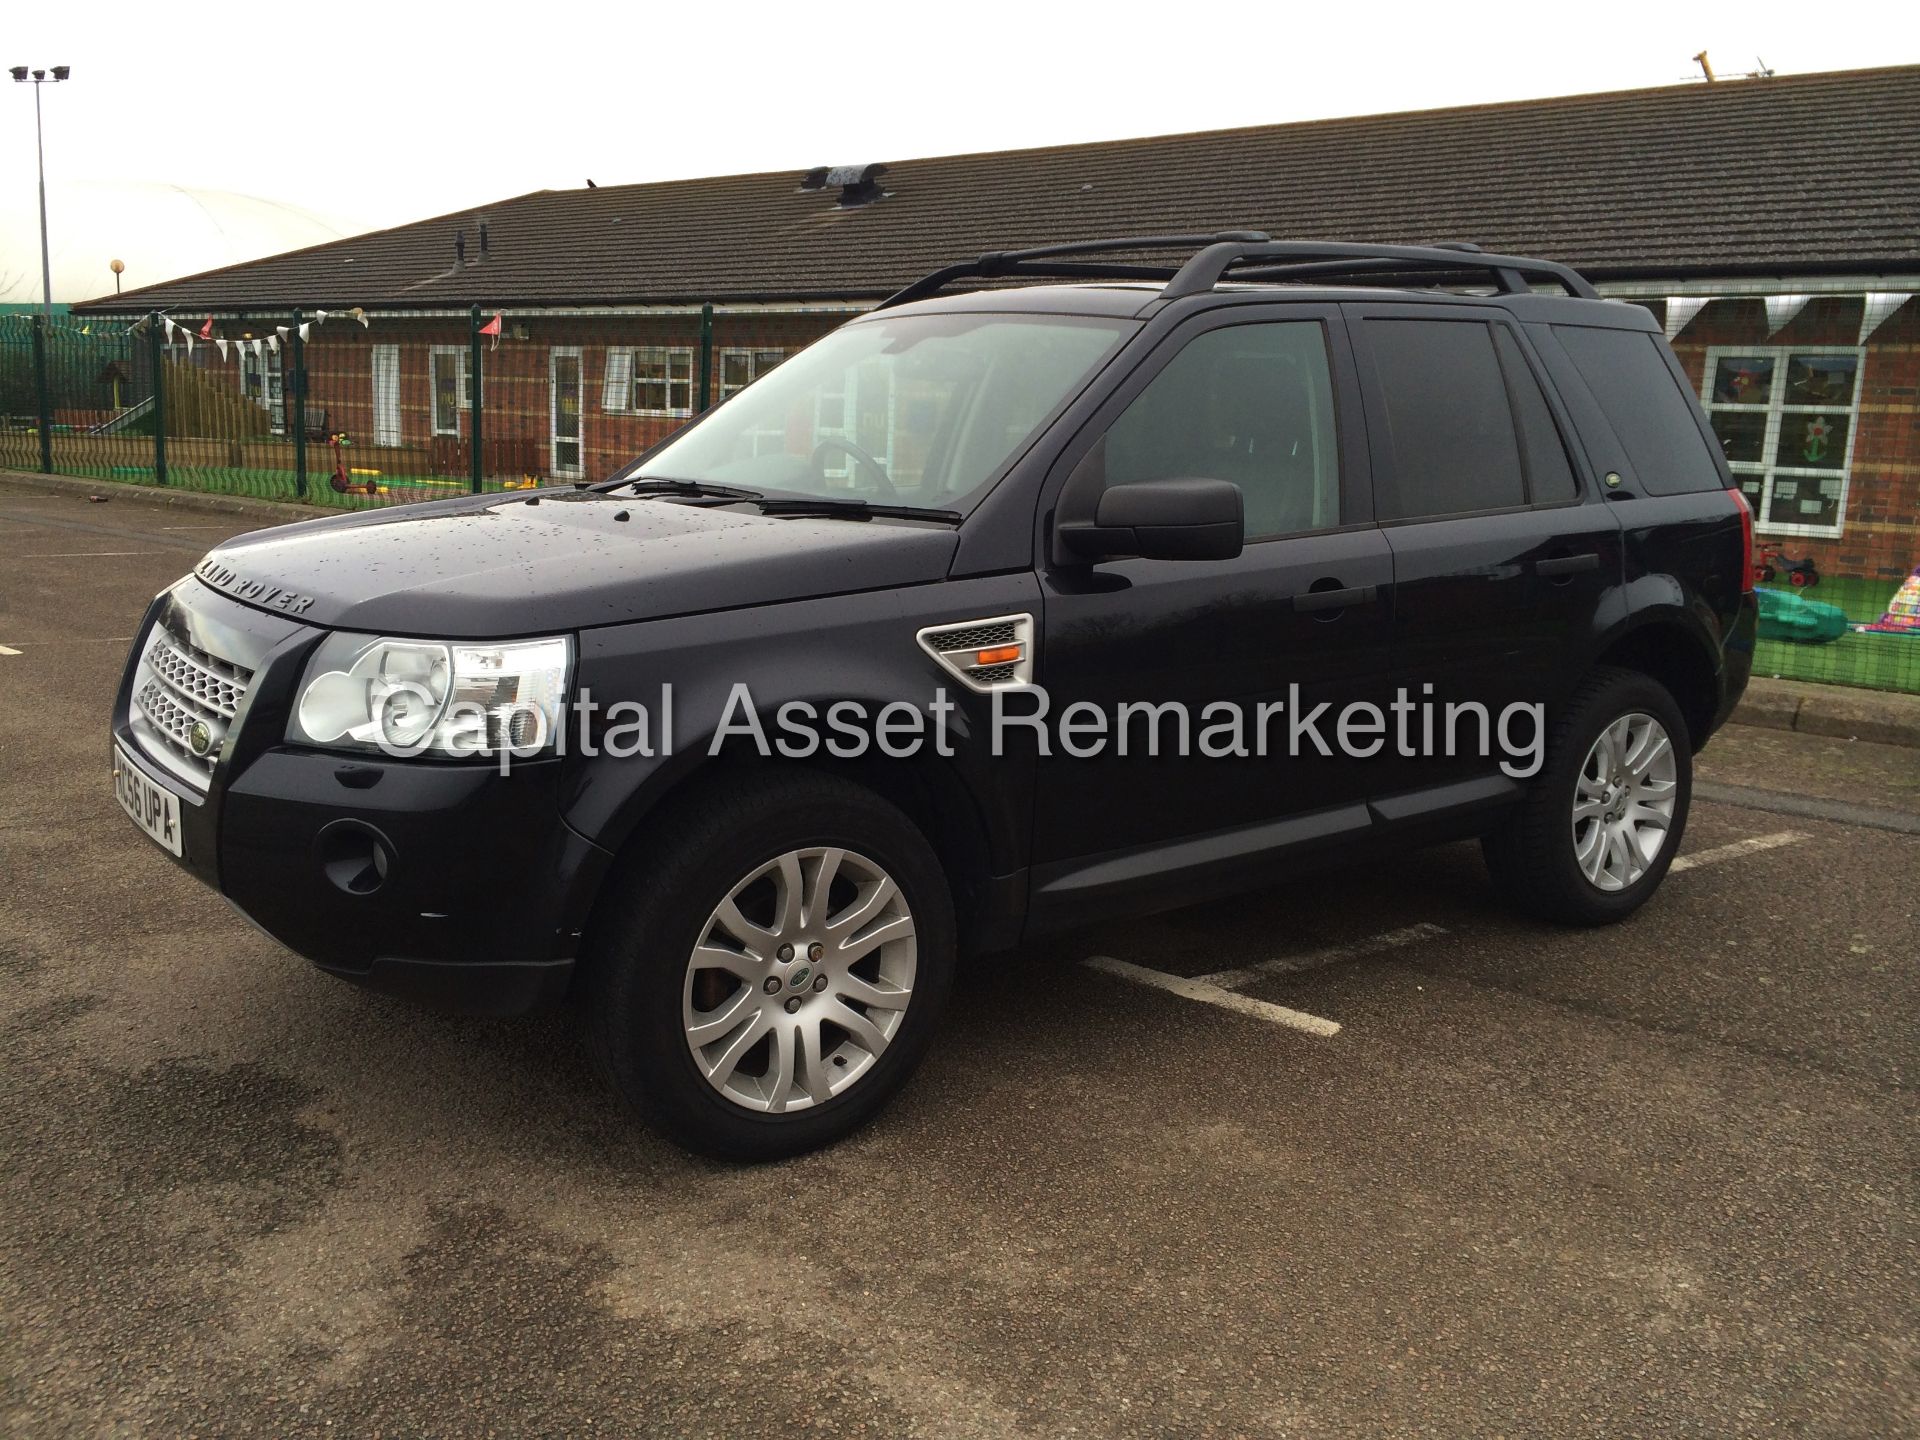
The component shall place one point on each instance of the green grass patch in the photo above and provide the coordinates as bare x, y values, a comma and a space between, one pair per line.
1872, 662
259, 484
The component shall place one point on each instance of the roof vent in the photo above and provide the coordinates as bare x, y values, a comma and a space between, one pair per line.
859, 184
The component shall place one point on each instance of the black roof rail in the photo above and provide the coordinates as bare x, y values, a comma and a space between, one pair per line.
1271, 260
1034, 264
1306, 257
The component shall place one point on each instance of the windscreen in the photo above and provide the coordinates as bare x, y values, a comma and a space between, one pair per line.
922, 410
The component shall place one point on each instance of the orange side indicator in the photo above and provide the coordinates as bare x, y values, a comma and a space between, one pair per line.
999, 655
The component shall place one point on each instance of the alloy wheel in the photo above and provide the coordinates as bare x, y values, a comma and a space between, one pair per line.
801, 978
1623, 801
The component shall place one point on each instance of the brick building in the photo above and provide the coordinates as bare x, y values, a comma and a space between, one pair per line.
1774, 223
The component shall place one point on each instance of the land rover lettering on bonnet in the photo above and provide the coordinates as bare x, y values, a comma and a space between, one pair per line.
254, 592
1443, 526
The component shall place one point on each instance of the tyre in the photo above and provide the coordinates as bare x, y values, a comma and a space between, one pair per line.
1600, 824
775, 972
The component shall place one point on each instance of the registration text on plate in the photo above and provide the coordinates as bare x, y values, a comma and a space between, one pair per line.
154, 808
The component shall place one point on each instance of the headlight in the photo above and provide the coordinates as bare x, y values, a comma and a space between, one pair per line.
413, 697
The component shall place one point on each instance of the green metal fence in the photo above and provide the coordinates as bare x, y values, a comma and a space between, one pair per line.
1842, 630
351, 410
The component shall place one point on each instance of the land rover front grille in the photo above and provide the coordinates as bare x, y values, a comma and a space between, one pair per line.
215, 687
184, 702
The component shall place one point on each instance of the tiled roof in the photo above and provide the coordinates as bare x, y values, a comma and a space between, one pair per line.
1799, 173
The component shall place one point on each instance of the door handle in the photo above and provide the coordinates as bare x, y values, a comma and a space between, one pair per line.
1555, 565
1334, 599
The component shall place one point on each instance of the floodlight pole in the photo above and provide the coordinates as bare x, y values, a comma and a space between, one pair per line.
46, 256
37, 78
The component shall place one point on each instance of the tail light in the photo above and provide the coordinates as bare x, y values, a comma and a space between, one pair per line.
1741, 504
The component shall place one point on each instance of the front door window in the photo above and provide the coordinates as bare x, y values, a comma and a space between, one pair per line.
1248, 403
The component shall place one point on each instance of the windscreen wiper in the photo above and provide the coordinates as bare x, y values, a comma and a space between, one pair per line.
660, 485
837, 509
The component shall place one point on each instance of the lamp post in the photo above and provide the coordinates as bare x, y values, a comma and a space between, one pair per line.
23, 76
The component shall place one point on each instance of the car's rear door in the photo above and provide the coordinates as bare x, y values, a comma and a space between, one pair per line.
1503, 547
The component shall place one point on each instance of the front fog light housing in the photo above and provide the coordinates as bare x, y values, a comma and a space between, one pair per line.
414, 697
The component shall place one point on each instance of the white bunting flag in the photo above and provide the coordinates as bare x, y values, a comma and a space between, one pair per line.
306, 328
167, 321
319, 317
1782, 308
187, 335
1681, 309
221, 341
1880, 304
281, 331
259, 350
273, 343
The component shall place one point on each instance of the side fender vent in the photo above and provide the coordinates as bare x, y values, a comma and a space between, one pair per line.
991, 654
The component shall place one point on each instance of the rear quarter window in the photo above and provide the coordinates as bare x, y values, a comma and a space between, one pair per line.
1649, 411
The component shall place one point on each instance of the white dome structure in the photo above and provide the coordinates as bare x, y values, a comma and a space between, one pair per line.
159, 231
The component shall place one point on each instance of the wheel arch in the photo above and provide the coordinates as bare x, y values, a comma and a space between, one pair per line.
929, 790
1669, 649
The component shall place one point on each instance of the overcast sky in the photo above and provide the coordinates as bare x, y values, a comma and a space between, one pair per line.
375, 114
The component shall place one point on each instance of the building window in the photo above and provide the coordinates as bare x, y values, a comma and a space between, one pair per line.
650, 380
740, 368
449, 383
1786, 417
262, 380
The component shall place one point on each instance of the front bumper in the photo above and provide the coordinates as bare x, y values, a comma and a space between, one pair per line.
445, 882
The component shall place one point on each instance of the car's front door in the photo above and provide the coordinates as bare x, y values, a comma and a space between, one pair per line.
1264, 397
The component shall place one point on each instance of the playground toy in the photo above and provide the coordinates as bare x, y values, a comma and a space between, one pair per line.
342, 479
1902, 616
1799, 573
1786, 616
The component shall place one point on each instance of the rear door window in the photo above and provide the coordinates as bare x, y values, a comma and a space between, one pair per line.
1452, 444
1549, 473
1646, 406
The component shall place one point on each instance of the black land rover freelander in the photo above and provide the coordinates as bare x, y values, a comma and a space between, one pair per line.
934, 638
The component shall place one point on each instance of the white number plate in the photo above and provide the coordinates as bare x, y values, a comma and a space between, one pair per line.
154, 808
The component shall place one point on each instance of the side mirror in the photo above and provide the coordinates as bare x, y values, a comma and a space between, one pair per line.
1183, 519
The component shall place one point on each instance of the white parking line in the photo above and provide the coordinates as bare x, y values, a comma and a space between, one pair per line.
72, 640
1326, 955
1213, 995
1735, 850
1222, 987
88, 554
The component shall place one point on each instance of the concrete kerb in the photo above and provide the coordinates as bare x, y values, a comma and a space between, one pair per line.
267, 512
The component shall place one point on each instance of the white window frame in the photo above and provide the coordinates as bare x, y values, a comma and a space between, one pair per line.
752, 354
623, 365
1777, 409
388, 422
555, 354
463, 390
269, 369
